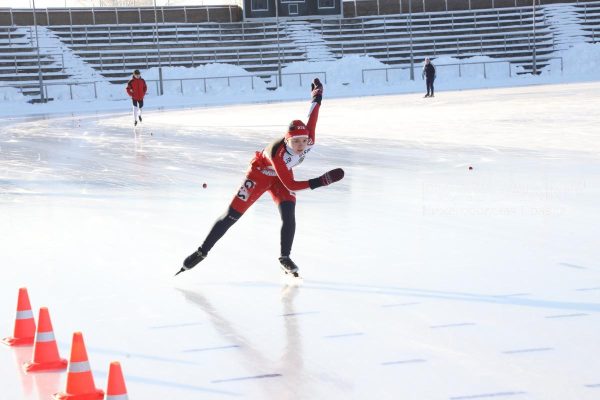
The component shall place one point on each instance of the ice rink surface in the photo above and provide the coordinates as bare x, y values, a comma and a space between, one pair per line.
423, 279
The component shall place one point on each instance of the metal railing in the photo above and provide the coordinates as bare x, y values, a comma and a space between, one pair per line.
129, 59
426, 17
250, 77
191, 33
461, 66
16, 59
322, 75
479, 42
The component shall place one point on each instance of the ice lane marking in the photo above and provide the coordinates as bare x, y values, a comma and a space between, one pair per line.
593, 385
566, 315
572, 266
457, 296
431, 294
343, 335
487, 395
299, 313
453, 325
134, 355
413, 361
400, 304
513, 295
589, 288
175, 325
176, 385
232, 346
528, 350
246, 378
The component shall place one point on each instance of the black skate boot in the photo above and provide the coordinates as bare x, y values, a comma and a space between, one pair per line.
192, 260
134, 122
140, 117
288, 266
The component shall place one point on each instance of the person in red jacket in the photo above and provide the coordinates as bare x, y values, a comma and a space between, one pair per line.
136, 89
271, 170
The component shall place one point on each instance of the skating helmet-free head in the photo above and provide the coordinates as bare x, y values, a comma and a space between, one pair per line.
427, 60
137, 72
296, 129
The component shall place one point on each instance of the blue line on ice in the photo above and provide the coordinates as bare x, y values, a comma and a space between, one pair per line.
487, 395
246, 378
528, 350
412, 361
566, 315
343, 335
231, 346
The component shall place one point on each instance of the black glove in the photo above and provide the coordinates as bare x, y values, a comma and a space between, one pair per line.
315, 84
327, 178
316, 90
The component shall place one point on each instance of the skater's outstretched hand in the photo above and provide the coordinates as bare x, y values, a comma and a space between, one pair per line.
316, 91
316, 83
327, 178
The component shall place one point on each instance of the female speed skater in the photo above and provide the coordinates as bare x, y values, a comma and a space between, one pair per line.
271, 170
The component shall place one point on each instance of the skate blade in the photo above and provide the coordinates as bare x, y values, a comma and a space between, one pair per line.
292, 278
180, 271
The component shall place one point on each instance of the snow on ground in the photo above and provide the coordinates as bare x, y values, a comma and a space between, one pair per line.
423, 279
350, 76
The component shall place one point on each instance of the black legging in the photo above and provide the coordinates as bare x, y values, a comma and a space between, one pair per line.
429, 82
287, 210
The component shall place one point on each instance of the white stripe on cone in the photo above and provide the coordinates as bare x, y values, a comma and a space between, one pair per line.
117, 397
26, 314
81, 366
44, 337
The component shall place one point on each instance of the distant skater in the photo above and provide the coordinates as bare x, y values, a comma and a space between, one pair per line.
271, 170
429, 75
136, 89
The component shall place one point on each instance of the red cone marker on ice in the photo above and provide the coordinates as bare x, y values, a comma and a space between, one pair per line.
80, 381
45, 351
24, 332
116, 389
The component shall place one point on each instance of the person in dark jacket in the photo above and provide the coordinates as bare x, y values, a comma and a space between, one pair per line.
429, 75
136, 89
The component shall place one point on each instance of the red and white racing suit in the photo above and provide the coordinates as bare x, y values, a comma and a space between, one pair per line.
271, 170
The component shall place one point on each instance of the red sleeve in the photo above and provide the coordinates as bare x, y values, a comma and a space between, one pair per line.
145, 88
129, 89
313, 116
285, 175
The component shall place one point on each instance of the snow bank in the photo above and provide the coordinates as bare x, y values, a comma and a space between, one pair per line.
582, 59
349, 76
11, 94
204, 80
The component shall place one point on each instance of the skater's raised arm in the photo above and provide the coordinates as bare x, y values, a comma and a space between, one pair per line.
313, 114
290, 151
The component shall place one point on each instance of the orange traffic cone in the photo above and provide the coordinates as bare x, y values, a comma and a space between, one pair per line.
24, 324
80, 382
116, 389
45, 351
